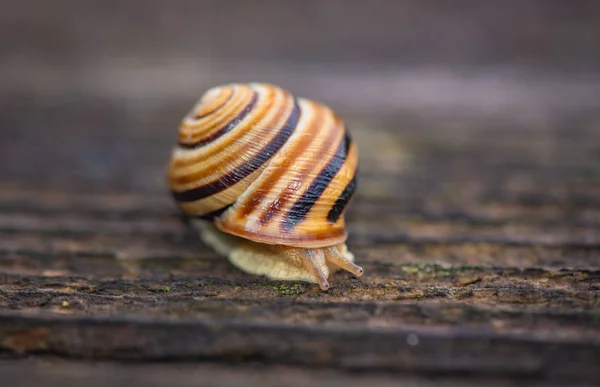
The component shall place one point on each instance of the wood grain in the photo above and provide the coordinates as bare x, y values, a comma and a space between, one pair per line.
490, 271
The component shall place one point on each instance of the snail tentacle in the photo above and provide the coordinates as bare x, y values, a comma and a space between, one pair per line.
315, 261
334, 256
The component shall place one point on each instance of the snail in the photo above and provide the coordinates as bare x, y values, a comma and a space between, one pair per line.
265, 177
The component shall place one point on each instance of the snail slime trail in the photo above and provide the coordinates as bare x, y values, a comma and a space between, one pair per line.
265, 177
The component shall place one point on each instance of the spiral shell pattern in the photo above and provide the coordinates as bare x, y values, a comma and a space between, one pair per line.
265, 165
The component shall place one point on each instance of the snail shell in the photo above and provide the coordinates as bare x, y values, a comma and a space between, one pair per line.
266, 178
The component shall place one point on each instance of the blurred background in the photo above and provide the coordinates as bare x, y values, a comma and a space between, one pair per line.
92, 91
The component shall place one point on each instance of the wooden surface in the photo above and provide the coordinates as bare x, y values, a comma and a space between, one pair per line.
477, 218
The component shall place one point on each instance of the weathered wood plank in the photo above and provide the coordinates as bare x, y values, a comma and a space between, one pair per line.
493, 266
347, 348
544, 314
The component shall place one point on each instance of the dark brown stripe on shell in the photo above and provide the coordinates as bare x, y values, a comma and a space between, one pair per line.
342, 201
227, 128
247, 168
241, 136
288, 193
303, 205
262, 191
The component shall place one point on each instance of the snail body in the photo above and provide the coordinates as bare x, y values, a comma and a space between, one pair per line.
266, 178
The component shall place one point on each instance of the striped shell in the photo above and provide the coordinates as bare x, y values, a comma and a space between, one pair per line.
263, 165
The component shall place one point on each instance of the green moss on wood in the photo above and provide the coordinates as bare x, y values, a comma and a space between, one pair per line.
289, 289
